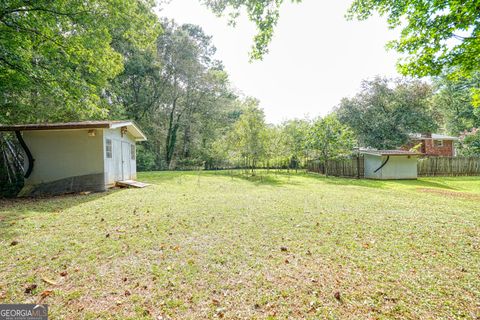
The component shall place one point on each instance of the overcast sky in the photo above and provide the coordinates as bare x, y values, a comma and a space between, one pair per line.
316, 57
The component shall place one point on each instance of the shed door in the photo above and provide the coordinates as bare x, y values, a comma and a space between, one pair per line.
117, 160
126, 158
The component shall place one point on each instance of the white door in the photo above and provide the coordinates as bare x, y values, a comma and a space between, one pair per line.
117, 159
126, 158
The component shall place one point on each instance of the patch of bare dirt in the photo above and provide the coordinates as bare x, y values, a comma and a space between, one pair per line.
452, 194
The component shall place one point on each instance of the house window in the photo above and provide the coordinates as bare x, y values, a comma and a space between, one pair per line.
132, 151
438, 143
108, 148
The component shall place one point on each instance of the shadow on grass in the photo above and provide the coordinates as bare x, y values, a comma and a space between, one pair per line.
346, 181
424, 183
275, 177
14, 210
163, 176
380, 183
261, 177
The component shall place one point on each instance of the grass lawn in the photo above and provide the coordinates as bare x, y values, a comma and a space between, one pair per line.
206, 245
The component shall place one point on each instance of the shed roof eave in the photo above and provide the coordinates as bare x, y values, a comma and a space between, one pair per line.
56, 126
132, 127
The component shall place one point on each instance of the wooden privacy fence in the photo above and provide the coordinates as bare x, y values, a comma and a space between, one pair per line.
427, 166
448, 166
352, 167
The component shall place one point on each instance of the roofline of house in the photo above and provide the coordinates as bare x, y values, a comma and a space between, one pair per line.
443, 138
381, 154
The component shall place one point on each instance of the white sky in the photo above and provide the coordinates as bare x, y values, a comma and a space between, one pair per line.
316, 57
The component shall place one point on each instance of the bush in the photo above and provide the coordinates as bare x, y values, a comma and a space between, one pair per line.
145, 159
470, 143
10, 189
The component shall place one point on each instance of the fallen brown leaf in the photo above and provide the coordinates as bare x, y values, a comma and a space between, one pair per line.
46, 293
220, 312
48, 281
29, 288
337, 296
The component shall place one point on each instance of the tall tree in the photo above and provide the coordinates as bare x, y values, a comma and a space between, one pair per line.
178, 93
330, 139
295, 132
186, 53
275, 146
248, 138
383, 114
212, 120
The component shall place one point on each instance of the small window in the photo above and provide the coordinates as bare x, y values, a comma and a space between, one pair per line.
108, 148
438, 143
132, 151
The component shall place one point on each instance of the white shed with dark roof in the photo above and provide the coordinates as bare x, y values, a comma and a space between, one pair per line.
390, 164
77, 156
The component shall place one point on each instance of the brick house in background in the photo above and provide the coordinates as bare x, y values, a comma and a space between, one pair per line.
433, 144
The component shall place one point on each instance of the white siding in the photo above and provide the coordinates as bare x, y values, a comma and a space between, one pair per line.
114, 170
371, 164
61, 154
397, 167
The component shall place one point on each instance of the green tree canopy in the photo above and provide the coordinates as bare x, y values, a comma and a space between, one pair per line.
453, 101
328, 138
248, 139
384, 113
179, 94
436, 35
264, 13
295, 136
57, 57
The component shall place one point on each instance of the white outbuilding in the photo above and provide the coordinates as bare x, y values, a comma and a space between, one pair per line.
77, 156
390, 164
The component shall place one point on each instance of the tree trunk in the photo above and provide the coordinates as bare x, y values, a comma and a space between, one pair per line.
187, 140
173, 125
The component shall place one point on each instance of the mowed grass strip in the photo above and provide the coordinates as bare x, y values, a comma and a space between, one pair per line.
198, 245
